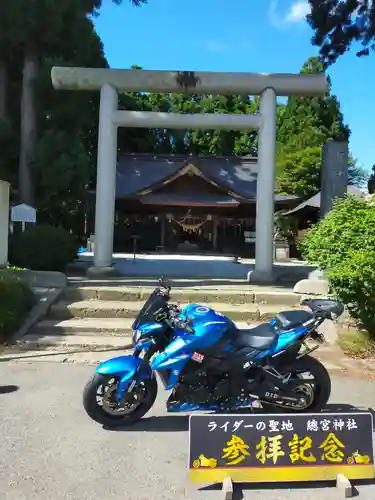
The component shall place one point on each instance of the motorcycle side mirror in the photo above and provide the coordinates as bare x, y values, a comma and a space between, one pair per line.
163, 282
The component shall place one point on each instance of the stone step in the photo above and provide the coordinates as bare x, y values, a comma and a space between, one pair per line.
129, 309
92, 326
83, 326
219, 294
91, 341
64, 353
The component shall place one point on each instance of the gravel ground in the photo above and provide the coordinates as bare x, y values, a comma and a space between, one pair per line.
51, 450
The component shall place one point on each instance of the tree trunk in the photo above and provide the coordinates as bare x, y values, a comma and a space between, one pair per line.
28, 126
3, 89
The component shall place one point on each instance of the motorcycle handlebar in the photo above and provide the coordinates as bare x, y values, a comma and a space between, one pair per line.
177, 322
183, 325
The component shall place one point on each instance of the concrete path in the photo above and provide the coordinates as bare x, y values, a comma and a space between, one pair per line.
50, 450
196, 266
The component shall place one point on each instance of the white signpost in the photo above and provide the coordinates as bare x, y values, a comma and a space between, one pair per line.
23, 213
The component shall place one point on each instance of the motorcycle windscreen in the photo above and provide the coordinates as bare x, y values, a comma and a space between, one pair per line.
152, 304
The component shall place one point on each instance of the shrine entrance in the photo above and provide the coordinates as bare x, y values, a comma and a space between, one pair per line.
192, 233
110, 82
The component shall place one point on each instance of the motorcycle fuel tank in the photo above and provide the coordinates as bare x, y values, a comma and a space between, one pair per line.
203, 314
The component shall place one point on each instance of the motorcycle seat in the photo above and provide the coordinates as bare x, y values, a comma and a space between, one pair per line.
261, 337
286, 320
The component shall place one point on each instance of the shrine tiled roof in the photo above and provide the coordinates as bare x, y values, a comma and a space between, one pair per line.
314, 201
137, 172
235, 175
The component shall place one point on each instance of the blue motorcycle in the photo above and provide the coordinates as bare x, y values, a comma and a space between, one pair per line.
211, 365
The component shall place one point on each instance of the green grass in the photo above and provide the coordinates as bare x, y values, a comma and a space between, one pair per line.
356, 343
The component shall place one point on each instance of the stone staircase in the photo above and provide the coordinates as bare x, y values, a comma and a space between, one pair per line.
101, 314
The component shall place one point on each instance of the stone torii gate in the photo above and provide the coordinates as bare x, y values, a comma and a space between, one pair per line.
111, 81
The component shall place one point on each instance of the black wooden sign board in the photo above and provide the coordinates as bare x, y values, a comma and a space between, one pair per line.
280, 447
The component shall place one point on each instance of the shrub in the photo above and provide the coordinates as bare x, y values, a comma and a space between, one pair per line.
343, 245
16, 298
43, 248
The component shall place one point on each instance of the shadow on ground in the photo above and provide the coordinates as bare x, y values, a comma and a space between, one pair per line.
8, 389
180, 423
240, 488
167, 423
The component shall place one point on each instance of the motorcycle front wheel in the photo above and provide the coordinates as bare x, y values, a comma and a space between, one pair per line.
315, 388
100, 403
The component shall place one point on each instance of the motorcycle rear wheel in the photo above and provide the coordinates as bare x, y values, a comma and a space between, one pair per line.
108, 413
321, 388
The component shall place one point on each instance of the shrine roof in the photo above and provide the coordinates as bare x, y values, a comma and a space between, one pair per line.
314, 201
136, 172
139, 175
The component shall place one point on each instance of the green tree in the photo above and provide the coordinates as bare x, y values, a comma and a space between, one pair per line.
36, 28
371, 181
39, 28
4, 47
342, 244
337, 24
298, 172
65, 152
63, 162
219, 142
93, 6
312, 120
305, 125
225, 142
357, 175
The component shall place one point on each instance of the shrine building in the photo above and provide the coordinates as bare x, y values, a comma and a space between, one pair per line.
188, 204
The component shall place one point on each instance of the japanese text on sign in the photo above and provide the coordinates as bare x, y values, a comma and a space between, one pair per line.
312, 425
256, 442
271, 448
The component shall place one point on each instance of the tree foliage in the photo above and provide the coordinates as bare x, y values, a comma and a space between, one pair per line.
337, 24
43, 248
307, 123
371, 181
66, 140
16, 299
299, 171
217, 142
43, 33
343, 245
